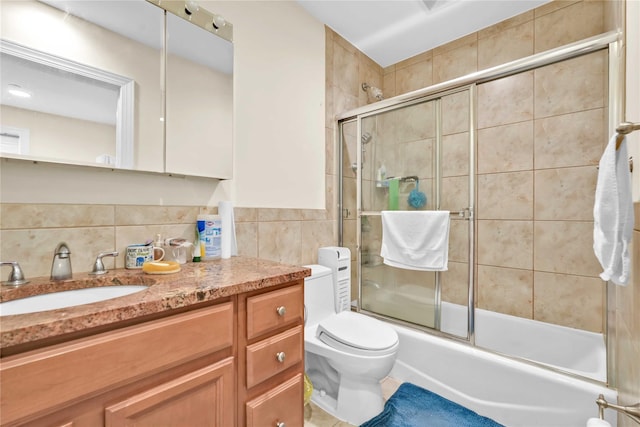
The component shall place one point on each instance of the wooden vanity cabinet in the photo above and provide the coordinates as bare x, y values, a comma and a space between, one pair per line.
271, 357
239, 362
176, 369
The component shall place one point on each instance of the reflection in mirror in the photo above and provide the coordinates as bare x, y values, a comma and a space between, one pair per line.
89, 46
199, 101
60, 110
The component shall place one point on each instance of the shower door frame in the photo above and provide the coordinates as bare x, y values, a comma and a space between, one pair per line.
610, 41
466, 213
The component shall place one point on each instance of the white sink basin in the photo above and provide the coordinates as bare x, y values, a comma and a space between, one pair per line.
64, 299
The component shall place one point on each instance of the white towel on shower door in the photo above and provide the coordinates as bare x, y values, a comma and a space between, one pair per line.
613, 214
416, 240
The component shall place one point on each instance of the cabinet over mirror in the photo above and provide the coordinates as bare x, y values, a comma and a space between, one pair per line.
118, 84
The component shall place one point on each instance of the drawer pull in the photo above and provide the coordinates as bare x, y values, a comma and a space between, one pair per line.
279, 424
282, 310
280, 356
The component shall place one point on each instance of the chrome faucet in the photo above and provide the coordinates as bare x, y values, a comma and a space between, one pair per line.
16, 277
61, 266
98, 266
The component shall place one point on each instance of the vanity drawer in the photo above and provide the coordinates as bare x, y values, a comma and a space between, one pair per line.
273, 355
272, 310
282, 404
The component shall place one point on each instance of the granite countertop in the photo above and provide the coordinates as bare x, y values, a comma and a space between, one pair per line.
195, 283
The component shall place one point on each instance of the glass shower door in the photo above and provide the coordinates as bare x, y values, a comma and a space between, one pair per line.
425, 147
399, 155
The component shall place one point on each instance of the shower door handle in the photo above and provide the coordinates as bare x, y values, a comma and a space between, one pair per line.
346, 213
466, 213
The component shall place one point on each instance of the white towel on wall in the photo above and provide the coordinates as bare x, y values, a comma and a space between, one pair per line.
416, 240
613, 214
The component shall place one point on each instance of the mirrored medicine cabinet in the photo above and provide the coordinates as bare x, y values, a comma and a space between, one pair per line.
144, 85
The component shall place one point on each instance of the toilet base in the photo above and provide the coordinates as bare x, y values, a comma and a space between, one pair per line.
357, 401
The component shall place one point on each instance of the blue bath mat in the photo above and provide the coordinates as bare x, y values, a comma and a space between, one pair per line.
413, 406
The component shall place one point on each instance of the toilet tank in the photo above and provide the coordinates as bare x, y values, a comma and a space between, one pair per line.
338, 259
318, 294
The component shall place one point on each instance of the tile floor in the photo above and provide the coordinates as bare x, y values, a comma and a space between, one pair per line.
316, 417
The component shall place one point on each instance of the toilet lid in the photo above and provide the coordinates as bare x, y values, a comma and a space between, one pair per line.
357, 333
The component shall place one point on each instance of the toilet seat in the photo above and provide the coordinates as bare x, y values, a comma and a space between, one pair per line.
357, 334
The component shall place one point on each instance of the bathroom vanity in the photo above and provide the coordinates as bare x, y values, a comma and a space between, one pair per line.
218, 344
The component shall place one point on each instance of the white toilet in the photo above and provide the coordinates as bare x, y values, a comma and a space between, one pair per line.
347, 354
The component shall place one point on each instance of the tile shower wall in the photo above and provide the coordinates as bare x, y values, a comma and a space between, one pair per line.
537, 147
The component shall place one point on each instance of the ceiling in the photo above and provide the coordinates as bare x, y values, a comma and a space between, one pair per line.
389, 31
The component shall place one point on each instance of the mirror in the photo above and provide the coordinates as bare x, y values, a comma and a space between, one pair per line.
93, 104
199, 97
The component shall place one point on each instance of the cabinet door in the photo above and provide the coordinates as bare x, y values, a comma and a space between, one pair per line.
202, 398
281, 406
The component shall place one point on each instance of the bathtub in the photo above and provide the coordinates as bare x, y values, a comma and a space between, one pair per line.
572, 350
511, 392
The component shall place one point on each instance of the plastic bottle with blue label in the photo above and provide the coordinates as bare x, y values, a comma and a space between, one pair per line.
209, 235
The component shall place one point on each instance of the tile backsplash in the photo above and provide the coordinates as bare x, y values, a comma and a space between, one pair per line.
29, 233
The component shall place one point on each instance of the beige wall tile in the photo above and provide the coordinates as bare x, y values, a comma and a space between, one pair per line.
455, 113
247, 238
349, 238
417, 158
506, 148
314, 214
574, 85
454, 193
245, 214
456, 44
315, 234
565, 194
574, 139
30, 216
455, 154
342, 102
421, 57
330, 150
505, 243
504, 101
389, 84
455, 63
573, 301
34, 249
415, 122
565, 247
141, 215
345, 65
459, 241
568, 24
505, 196
274, 214
280, 241
505, 25
413, 77
508, 45
552, 6
506, 290
455, 283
